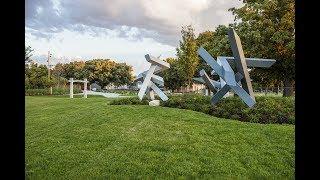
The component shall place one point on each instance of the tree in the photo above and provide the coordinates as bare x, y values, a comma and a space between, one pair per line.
172, 77
266, 28
187, 54
59, 70
27, 54
121, 74
36, 76
205, 38
216, 43
220, 45
102, 71
73, 69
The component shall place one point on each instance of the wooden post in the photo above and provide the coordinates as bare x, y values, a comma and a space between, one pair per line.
85, 89
71, 87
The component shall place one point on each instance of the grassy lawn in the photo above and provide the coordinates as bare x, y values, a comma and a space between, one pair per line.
79, 138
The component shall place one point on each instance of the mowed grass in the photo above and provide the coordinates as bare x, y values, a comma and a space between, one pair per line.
87, 138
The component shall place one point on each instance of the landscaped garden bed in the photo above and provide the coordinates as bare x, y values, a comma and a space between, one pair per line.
267, 109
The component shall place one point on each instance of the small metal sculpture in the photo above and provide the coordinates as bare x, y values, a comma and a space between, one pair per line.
240, 81
151, 79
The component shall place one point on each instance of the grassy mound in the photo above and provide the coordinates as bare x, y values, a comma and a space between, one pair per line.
78, 138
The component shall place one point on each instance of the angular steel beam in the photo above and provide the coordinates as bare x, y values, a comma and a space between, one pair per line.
150, 79
253, 62
240, 61
240, 81
146, 81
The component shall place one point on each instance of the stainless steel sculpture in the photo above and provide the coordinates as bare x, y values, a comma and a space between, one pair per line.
240, 81
150, 79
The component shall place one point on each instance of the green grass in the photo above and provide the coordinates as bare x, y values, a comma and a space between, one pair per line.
87, 138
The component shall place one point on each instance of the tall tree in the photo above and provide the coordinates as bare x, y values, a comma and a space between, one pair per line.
266, 28
187, 53
27, 54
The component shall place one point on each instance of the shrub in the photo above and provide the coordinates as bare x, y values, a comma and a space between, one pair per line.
129, 101
45, 92
267, 109
127, 92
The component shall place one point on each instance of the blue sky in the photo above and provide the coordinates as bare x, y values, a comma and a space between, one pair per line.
122, 30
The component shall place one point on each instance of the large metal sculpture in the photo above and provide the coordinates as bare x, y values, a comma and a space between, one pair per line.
240, 81
150, 79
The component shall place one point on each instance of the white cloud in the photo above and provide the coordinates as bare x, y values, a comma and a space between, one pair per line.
124, 30
157, 19
68, 46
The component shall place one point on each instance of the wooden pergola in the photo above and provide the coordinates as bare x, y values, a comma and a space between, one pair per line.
85, 82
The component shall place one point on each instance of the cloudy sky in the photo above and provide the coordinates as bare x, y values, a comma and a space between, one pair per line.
123, 30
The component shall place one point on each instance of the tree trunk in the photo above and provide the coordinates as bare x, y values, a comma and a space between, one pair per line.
288, 88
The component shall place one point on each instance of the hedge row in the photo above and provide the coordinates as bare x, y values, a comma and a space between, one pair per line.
267, 109
55, 91
129, 101
124, 92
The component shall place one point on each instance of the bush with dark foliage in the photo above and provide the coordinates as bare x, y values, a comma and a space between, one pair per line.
280, 110
55, 91
267, 109
129, 101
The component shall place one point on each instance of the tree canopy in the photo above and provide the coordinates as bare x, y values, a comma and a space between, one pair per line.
36, 76
187, 54
173, 77
266, 28
102, 71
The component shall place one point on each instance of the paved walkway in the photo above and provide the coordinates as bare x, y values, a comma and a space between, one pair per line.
107, 95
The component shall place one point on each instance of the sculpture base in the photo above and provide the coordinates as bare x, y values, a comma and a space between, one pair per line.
154, 103
228, 94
